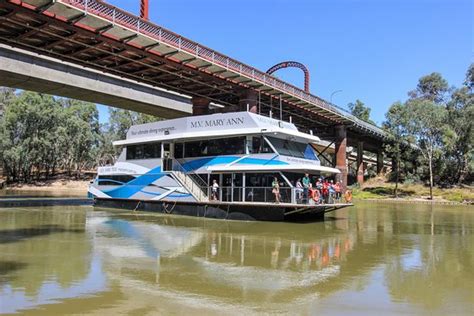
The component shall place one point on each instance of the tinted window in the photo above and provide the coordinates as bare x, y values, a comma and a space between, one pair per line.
261, 179
215, 147
144, 151
114, 179
260, 146
292, 148
179, 150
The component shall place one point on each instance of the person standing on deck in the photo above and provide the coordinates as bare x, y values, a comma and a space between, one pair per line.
306, 182
276, 189
299, 191
337, 188
325, 191
319, 187
332, 192
215, 189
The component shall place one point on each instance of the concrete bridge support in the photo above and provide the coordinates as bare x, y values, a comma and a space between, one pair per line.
200, 105
341, 156
360, 162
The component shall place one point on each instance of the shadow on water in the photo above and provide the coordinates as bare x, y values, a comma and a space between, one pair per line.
19, 234
7, 268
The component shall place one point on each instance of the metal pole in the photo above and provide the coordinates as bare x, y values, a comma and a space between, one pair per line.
144, 9
271, 106
334, 92
281, 110
259, 102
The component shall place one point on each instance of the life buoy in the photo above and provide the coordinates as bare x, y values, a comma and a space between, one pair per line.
348, 196
315, 195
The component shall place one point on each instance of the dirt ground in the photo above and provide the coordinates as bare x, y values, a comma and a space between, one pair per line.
55, 187
379, 188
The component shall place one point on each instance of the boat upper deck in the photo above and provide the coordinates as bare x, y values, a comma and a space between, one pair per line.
213, 126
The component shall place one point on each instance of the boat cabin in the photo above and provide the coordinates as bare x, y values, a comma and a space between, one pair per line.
242, 152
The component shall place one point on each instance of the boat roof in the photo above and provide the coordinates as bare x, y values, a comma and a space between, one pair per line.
289, 168
212, 126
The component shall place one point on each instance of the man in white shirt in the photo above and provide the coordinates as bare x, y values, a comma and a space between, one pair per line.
215, 189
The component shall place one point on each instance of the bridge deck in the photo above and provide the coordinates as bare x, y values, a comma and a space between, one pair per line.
98, 35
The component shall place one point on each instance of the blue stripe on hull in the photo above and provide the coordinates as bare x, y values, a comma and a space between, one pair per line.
136, 184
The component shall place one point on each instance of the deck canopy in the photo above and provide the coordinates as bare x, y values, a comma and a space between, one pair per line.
299, 168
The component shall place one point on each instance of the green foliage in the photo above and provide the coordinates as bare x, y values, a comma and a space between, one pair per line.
39, 134
432, 87
431, 134
361, 111
121, 120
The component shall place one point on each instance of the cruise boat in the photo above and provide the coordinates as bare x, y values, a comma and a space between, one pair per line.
171, 166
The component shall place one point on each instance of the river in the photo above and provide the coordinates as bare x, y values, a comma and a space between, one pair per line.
370, 259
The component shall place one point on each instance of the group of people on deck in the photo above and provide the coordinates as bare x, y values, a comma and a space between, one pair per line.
323, 191
320, 191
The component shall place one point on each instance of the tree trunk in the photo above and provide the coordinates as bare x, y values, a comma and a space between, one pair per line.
431, 176
397, 177
464, 170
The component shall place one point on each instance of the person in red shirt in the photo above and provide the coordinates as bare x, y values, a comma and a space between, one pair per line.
325, 191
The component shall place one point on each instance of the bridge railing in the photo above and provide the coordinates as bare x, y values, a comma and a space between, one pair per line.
132, 22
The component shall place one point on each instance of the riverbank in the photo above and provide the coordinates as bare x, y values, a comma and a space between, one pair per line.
58, 187
378, 189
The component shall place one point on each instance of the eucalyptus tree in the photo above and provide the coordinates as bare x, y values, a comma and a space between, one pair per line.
459, 137
395, 126
431, 87
79, 135
29, 129
426, 122
121, 120
361, 111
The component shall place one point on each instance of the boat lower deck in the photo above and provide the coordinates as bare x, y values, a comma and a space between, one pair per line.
260, 211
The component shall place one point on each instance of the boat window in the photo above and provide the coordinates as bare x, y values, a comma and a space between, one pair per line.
292, 148
144, 151
114, 179
260, 146
179, 150
261, 179
215, 147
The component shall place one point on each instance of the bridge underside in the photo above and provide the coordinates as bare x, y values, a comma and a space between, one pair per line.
103, 38
24, 70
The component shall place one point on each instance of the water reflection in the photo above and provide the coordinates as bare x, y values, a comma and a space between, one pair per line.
405, 260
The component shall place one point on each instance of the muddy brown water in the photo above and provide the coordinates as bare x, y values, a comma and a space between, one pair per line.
373, 258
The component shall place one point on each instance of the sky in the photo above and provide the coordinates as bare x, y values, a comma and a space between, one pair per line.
372, 50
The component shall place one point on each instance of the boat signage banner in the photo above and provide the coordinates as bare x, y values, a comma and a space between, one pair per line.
221, 121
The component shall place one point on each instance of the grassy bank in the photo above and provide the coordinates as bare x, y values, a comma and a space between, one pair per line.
379, 188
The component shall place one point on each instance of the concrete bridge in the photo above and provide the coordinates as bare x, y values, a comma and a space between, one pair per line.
90, 50
22, 69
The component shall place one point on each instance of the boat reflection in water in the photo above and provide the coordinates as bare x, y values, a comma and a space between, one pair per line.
219, 260
102, 262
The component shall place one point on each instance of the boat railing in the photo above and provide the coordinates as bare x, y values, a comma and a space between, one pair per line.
177, 166
251, 194
266, 195
191, 181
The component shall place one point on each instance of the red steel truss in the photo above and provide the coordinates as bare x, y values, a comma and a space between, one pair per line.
97, 35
